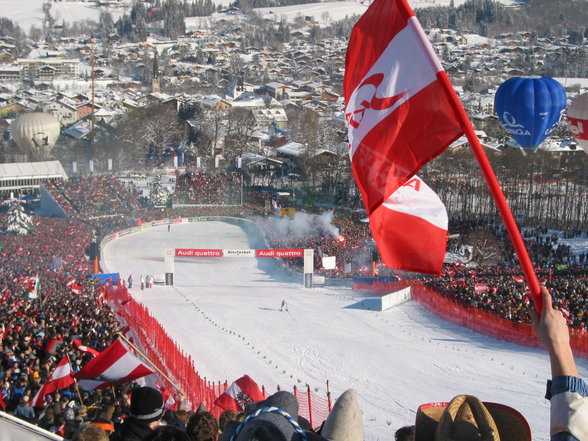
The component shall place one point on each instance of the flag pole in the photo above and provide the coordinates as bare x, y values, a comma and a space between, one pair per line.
497, 194
150, 362
79, 393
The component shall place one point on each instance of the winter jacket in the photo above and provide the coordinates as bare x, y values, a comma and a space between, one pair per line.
25, 412
569, 408
131, 429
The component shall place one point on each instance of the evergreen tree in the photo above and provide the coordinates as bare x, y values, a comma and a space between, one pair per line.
106, 25
139, 21
159, 195
174, 24
19, 222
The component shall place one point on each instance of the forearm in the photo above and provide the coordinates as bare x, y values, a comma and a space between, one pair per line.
562, 361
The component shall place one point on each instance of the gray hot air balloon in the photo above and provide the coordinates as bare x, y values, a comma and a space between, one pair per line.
36, 134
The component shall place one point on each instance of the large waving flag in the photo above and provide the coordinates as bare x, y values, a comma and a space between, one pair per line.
400, 116
60, 378
114, 365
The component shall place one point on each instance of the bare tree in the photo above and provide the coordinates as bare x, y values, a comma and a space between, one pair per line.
151, 131
240, 127
486, 248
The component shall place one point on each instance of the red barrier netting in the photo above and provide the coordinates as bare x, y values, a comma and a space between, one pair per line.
161, 350
166, 355
486, 323
312, 407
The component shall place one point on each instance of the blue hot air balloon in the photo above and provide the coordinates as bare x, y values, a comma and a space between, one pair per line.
530, 108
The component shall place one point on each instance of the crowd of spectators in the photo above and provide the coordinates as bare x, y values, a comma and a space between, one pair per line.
342, 235
93, 196
197, 187
38, 331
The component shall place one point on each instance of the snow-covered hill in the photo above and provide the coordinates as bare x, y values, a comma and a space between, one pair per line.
30, 12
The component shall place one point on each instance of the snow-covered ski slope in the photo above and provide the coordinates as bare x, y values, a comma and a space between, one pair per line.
225, 313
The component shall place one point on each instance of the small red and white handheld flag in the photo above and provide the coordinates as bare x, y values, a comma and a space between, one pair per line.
481, 287
519, 279
53, 345
168, 397
60, 378
400, 116
456, 282
239, 394
70, 282
5, 293
83, 348
76, 288
114, 365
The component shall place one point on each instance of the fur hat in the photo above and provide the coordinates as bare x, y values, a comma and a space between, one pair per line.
146, 404
345, 422
273, 419
466, 418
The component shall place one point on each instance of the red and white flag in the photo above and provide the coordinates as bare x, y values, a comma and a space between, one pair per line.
168, 397
70, 282
410, 228
460, 281
126, 332
60, 378
519, 279
481, 287
83, 348
400, 116
5, 293
76, 288
239, 394
114, 365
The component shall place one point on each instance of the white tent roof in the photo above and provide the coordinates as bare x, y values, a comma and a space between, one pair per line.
32, 169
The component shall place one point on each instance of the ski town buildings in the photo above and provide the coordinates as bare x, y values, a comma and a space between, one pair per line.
78, 82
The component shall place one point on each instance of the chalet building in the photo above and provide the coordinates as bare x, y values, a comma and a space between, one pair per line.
64, 112
264, 117
215, 103
85, 109
6, 56
48, 68
278, 90
13, 109
10, 72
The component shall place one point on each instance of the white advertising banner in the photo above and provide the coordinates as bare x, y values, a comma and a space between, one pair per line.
239, 253
329, 262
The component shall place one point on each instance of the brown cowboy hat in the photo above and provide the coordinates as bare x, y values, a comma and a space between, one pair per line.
466, 418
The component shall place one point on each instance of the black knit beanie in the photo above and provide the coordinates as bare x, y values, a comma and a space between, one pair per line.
147, 404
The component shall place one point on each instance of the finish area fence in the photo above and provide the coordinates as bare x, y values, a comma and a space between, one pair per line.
181, 367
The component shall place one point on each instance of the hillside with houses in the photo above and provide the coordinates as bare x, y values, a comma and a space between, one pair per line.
240, 90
